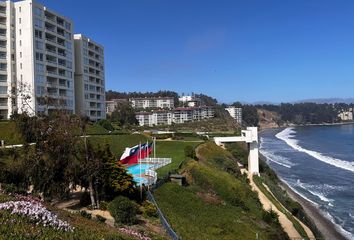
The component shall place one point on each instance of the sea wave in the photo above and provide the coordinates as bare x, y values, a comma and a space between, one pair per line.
316, 192
286, 136
276, 159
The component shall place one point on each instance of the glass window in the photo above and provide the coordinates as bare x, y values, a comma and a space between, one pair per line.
39, 45
40, 90
68, 45
85, 52
39, 67
38, 11
3, 66
39, 56
67, 26
38, 23
86, 87
38, 34
40, 79
3, 90
69, 64
86, 78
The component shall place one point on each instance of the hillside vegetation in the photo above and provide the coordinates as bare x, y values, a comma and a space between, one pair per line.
218, 203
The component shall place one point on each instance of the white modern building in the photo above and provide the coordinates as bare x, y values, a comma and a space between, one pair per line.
7, 59
178, 115
346, 115
112, 105
89, 78
235, 113
37, 64
153, 102
189, 101
44, 59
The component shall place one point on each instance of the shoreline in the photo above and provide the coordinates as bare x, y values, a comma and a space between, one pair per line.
305, 125
328, 229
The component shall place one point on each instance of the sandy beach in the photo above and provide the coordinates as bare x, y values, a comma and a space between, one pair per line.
324, 225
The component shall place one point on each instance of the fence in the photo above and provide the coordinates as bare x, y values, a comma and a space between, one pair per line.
154, 163
163, 220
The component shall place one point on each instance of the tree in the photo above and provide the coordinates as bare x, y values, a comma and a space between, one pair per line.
124, 114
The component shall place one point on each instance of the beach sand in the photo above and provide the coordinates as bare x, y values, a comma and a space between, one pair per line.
324, 225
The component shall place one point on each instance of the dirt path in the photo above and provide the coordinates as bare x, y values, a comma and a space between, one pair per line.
268, 205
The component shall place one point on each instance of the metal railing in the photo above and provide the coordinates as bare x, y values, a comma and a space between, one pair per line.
163, 220
154, 163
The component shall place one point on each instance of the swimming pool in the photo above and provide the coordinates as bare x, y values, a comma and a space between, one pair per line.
135, 169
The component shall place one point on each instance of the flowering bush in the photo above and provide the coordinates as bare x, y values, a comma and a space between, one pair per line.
133, 233
36, 212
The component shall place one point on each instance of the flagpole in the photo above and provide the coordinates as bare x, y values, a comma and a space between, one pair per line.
141, 190
154, 147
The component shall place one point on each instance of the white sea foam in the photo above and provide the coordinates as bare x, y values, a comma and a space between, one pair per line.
317, 193
340, 228
276, 159
286, 136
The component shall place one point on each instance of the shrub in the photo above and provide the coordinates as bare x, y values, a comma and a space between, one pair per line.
149, 209
189, 151
270, 217
86, 214
123, 210
106, 124
103, 206
100, 218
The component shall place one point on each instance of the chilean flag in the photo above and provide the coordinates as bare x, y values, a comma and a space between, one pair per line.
132, 155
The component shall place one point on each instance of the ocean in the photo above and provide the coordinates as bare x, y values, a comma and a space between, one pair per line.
317, 162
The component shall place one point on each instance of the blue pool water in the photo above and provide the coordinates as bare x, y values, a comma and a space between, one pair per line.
135, 169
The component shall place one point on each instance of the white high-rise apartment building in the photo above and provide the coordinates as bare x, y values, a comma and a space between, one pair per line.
7, 59
44, 59
89, 78
37, 64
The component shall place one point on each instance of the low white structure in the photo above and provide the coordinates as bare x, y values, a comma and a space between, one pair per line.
249, 136
153, 102
346, 115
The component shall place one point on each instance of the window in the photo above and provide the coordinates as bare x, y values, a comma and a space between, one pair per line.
39, 45
86, 61
85, 52
85, 69
20, 9
68, 45
86, 78
69, 74
67, 35
67, 26
38, 34
3, 66
39, 56
3, 90
20, 43
40, 79
3, 55
19, 20
38, 23
39, 67
84, 43
40, 90
3, 78
86, 96
20, 65
20, 54
38, 11
69, 64
20, 32
69, 55
86, 87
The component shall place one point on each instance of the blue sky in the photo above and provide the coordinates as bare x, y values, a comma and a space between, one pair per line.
264, 50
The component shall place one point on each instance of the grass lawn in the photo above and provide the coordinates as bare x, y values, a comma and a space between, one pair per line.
96, 129
9, 133
218, 203
174, 150
118, 142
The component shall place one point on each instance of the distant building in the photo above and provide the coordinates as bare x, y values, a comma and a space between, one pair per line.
112, 105
235, 113
346, 115
189, 101
178, 115
153, 102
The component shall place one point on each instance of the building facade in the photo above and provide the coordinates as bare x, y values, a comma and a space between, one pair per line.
235, 113
37, 64
346, 115
113, 104
178, 115
44, 59
89, 78
7, 59
154, 102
